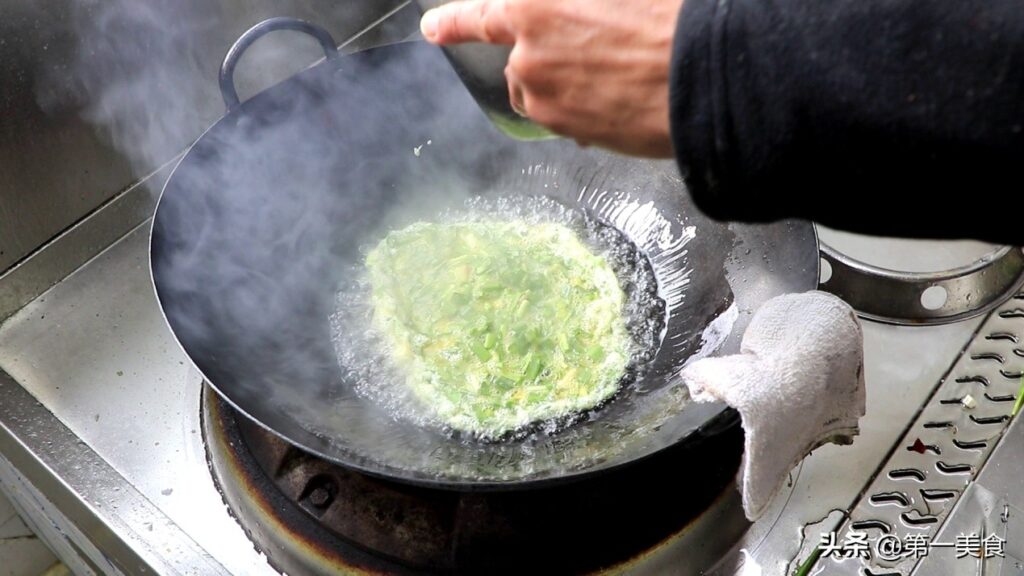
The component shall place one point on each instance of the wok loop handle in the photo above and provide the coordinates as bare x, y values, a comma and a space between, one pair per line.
227, 67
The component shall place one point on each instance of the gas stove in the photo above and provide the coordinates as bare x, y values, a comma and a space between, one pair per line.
310, 516
123, 462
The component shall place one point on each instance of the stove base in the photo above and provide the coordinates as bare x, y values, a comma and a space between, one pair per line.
309, 516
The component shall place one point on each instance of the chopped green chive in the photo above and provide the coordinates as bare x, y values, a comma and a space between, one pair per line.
1020, 399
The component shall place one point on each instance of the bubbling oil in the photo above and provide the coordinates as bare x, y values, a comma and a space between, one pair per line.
364, 354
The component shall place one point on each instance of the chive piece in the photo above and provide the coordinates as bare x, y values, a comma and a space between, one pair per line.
521, 308
563, 342
490, 340
483, 354
537, 394
1020, 399
482, 412
533, 369
805, 568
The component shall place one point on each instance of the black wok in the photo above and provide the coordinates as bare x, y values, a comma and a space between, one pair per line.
261, 219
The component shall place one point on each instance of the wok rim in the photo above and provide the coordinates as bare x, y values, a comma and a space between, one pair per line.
721, 418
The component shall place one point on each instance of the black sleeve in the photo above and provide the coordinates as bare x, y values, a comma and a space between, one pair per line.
897, 117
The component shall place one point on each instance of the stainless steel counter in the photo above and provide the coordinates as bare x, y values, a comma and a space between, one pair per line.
100, 441
122, 399
100, 444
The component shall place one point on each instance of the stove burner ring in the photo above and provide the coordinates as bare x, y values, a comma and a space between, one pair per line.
310, 516
924, 298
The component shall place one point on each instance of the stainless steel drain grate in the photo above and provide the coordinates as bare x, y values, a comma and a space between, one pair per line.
941, 452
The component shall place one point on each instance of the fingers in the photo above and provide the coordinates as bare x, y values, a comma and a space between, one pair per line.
468, 21
516, 94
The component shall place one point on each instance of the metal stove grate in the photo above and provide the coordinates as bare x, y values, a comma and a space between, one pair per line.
944, 448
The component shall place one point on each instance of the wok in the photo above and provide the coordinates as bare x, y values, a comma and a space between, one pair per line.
266, 215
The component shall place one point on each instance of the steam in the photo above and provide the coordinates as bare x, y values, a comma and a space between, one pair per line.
145, 72
135, 73
252, 235
254, 205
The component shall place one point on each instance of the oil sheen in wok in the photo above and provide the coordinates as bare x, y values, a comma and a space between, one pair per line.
498, 324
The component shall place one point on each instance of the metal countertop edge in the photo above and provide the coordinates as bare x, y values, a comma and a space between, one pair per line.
73, 248
91, 494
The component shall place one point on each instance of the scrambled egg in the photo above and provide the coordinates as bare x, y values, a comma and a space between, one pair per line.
496, 325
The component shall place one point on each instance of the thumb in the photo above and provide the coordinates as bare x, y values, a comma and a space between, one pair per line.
468, 21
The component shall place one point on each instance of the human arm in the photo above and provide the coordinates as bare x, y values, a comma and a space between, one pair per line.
881, 116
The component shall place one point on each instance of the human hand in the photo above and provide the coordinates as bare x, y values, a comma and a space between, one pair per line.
596, 71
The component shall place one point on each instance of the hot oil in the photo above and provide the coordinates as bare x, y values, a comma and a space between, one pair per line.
365, 357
